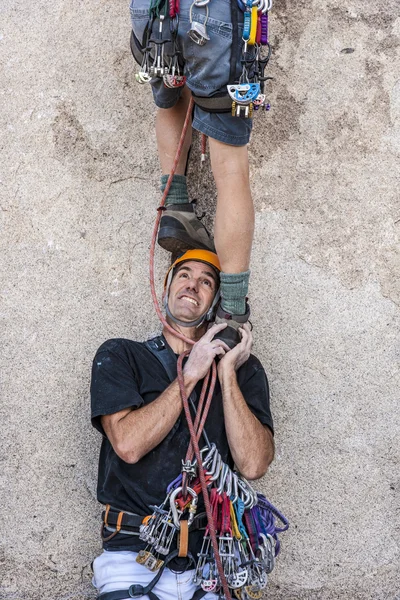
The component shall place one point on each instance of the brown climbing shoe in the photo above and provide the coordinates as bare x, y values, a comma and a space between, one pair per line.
230, 335
181, 230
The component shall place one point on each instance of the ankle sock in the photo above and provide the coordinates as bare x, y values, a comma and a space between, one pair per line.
178, 193
234, 288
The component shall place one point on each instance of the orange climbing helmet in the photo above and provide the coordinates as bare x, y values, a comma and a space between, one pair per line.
204, 256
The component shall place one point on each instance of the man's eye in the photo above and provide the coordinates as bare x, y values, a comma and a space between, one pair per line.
207, 282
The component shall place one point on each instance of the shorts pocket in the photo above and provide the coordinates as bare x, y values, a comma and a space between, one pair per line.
139, 20
207, 67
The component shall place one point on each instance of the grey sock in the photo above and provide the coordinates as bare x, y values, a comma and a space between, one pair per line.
178, 193
234, 288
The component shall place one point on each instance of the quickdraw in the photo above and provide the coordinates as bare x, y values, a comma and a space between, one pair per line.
248, 94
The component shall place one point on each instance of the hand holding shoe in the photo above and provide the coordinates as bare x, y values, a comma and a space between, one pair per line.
203, 353
236, 357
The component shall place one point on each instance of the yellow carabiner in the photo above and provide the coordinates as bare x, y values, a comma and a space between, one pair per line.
253, 26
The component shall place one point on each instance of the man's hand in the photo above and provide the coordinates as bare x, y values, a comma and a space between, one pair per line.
236, 357
203, 353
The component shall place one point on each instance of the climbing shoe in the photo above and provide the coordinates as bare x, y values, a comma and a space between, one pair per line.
181, 230
230, 335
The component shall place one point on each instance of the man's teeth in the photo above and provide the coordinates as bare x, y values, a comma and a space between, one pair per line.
192, 300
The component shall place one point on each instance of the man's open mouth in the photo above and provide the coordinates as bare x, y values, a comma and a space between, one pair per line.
189, 299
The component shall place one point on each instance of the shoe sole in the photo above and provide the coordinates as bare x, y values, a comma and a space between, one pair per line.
229, 336
177, 241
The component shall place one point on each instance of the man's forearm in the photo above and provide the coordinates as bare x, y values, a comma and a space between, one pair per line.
250, 442
137, 432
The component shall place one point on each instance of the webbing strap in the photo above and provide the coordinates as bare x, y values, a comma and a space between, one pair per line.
123, 594
164, 354
183, 539
199, 594
235, 47
218, 103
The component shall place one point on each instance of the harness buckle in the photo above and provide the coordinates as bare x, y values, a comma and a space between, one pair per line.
136, 591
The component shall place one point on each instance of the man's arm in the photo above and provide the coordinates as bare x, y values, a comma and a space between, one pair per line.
135, 432
251, 443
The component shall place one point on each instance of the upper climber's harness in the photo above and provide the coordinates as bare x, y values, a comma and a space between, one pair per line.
241, 96
245, 521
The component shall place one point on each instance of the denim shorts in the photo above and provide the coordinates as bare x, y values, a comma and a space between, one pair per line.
207, 68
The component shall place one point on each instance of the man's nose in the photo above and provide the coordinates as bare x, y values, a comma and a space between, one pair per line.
192, 284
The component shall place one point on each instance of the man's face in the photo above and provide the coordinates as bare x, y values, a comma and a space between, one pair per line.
192, 290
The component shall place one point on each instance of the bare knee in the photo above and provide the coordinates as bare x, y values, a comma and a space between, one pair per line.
228, 161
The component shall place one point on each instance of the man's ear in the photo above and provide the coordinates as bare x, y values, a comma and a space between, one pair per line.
210, 314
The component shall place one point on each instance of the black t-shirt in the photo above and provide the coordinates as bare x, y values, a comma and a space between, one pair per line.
126, 374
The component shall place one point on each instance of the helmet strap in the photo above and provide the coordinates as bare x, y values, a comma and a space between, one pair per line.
207, 316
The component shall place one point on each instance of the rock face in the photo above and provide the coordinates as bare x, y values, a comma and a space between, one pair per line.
79, 188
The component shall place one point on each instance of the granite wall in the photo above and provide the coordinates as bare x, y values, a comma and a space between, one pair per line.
78, 191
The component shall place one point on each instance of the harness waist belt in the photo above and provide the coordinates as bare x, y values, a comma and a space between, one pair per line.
130, 523
219, 103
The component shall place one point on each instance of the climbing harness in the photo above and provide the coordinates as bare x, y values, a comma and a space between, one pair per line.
241, 97
245, 523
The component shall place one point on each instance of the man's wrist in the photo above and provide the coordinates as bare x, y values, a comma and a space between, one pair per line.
226, 372
190, 381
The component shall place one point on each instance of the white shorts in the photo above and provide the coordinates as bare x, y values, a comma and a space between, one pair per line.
119, 570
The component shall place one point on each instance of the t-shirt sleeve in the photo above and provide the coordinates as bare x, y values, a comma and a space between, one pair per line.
113, 385
254, 386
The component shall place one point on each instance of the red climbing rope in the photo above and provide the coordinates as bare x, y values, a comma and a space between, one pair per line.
202, 477
157, 225
197, 427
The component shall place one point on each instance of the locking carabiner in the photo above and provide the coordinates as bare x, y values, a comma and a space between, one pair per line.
174, 509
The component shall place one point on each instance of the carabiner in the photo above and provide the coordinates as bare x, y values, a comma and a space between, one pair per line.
174, 508
235, 488
228, 483
222, 478
244, 494
217, 466
215, 457
209, 455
